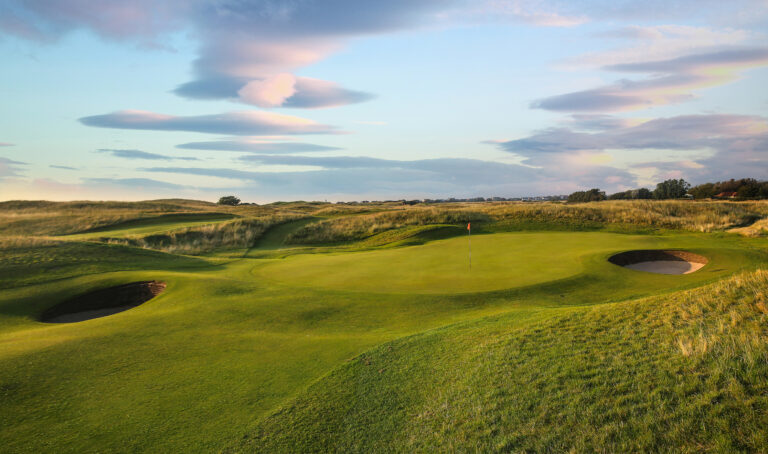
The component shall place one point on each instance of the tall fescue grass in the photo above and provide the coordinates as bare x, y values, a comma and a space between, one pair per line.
61, 218
727, 321
240, 233
758, 228
363, 226
665, 214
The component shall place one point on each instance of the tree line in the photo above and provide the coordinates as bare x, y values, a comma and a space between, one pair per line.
745, 188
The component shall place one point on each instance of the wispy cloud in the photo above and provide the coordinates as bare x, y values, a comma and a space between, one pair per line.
135, 183
251, 123
673, 81
721, 146
356, 176
53, 166
9, 167
5, 144
256, 146
545, 14
661, 42
138, 154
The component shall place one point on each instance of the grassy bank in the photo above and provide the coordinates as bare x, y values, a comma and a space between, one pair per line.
686, 372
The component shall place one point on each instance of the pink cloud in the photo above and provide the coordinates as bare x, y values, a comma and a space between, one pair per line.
270, 92
250, 123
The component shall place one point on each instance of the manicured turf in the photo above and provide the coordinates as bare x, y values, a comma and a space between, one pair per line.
499, 261
391, 349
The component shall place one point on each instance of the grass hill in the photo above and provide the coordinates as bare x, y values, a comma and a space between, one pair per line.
311, 327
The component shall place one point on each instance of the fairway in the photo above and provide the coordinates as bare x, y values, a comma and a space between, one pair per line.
499, 261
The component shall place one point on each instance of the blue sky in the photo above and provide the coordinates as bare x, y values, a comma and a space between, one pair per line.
353, 100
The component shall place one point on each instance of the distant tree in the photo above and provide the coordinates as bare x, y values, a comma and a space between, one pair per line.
632, 194
229, 200
745, 188
593, 195
703, 191
620, 195
671, 189
749, 190
644, 193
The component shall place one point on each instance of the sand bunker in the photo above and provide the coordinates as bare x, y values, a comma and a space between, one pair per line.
103, 302
660, 261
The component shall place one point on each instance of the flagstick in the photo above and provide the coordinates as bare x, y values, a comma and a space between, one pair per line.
469, 236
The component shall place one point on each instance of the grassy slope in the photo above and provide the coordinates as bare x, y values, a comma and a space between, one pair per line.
686, 372
27, 262
194, 368
156, 224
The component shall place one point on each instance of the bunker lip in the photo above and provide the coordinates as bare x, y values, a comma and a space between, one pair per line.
660, 261
101, 303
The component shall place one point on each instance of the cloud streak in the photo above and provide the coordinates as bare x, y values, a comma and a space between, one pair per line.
138, 154
358, 176
251, 123
722, 146
256, 146
672, 81
136, 183
10, 168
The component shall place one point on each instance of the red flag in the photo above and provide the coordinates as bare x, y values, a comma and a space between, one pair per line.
468, 226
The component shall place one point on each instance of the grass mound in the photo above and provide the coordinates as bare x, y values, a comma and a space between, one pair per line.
687, 372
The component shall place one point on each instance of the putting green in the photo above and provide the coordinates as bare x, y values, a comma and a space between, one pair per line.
499, 261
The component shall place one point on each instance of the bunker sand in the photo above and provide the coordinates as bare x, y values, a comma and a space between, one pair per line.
666, 267
102, 303
660, 261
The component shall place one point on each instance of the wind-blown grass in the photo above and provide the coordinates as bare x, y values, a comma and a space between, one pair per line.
240, 233
62, 218
358, 227
30, 260
510, 216
665, 214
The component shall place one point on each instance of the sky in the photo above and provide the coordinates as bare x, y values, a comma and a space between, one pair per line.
344, 100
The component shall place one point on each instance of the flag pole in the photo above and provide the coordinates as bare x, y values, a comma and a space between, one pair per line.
469, 237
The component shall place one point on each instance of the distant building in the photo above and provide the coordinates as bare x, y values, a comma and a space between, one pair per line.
726, 195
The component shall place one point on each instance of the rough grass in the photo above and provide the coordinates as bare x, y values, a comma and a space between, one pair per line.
686, 372
26, 261
666, 214
359, 227
61, 218
509, 216
757, 228
237, 234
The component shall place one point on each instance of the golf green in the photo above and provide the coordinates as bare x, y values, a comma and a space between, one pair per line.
499, 261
